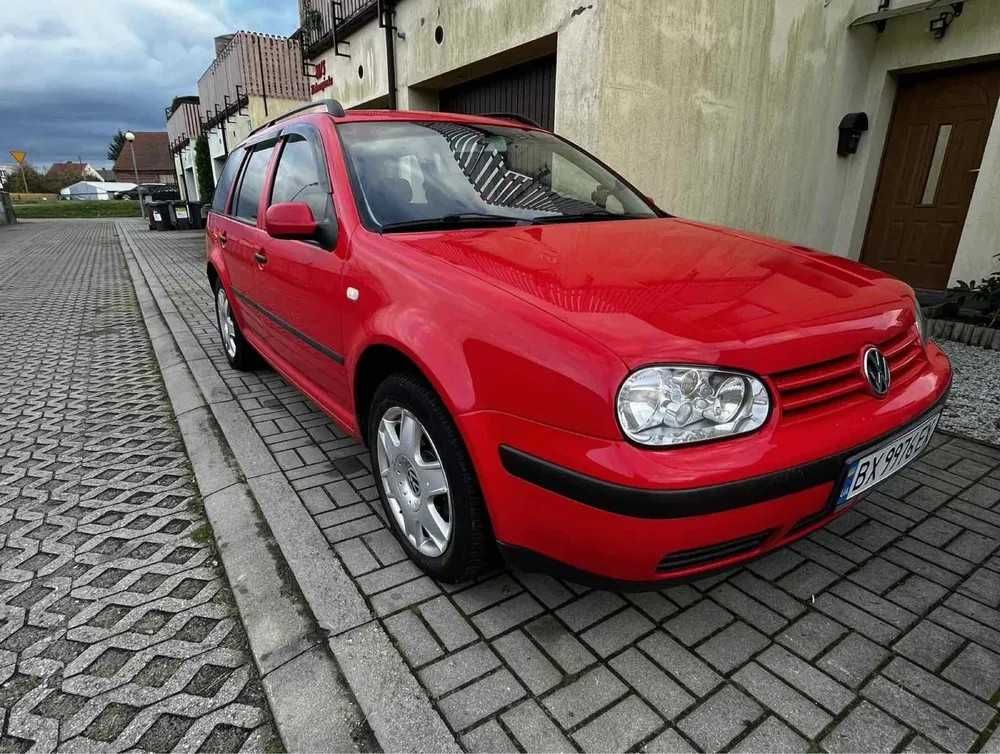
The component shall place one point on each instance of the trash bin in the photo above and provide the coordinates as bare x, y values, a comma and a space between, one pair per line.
180, 213
159, 216
194, 212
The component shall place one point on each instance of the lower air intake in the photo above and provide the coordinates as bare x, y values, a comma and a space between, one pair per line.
701, 555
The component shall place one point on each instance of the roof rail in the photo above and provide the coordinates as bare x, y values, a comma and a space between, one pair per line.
331, 106
514, 117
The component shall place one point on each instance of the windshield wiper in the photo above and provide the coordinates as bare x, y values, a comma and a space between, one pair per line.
461, 220
583, 217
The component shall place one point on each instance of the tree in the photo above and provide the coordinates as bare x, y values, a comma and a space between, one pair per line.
203, 169
37, 183
116, 145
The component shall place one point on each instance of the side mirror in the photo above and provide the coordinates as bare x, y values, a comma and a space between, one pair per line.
290, 220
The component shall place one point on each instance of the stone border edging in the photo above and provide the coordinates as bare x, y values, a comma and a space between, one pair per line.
304, 687
964, 332
313, 688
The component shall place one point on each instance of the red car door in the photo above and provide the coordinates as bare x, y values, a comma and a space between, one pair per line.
299, 283
244, 240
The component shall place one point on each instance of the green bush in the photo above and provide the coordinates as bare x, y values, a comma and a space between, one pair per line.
69, 208
203, 169
977, 301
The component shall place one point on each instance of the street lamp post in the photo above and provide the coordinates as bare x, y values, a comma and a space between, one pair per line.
130, 138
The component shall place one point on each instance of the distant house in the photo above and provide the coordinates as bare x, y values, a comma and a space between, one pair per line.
107, 174
69, 172
152, 159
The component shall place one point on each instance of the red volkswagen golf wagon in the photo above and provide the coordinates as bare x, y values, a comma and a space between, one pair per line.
539, 358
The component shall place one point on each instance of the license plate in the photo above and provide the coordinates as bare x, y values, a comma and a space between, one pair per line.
865, 471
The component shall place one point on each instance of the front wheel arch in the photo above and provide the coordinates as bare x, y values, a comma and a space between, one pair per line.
376, 364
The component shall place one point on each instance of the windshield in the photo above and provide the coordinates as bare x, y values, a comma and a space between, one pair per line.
407, 175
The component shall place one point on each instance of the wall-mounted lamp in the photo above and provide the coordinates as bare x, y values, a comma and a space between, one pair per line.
851, 127
939, 26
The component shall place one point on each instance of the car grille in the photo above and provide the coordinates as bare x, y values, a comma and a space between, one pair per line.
701, 555
831, 384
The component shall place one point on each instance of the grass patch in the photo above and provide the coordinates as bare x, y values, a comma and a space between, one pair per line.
109, 208
202, 534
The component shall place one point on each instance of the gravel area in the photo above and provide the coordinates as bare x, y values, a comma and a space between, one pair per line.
973, 409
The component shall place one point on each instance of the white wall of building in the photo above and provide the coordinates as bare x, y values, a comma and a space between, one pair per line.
722, 110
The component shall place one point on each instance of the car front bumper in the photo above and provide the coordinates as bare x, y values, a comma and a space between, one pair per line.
605, 511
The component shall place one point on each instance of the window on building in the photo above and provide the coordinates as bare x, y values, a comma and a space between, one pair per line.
299, 177
248, 200
226, 179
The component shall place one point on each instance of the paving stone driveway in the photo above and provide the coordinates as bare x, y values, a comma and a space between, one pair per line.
880, 633
117, 627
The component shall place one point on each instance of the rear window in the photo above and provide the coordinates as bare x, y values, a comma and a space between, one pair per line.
226, 180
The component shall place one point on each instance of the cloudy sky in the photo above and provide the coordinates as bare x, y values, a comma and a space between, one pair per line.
72, 72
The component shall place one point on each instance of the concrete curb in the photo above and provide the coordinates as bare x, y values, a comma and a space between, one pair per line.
396, 709
311, 702
963, 332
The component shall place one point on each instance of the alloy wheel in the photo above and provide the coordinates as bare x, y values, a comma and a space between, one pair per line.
414, 481
227, 327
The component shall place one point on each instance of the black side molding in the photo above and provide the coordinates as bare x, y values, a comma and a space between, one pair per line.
639, 502
644, 503
329, 353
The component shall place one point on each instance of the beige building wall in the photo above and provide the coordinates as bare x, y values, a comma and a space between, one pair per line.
262, 110
722, 110
499, 32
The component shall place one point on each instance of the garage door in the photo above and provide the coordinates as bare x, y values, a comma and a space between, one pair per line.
528, 89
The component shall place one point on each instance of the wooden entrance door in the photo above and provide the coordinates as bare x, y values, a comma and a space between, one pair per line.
929, 168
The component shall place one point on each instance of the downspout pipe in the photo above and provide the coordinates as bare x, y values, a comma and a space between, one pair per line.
390, 50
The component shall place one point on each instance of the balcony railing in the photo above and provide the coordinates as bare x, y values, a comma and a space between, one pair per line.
327, 23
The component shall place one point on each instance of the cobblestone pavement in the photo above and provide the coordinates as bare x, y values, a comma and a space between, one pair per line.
881, 632
118, 631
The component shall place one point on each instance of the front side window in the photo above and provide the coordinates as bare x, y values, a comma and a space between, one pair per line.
298, 177
410, 174
226, 180
247, 201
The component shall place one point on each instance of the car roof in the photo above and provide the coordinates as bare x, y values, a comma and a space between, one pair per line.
268, 131
430, 115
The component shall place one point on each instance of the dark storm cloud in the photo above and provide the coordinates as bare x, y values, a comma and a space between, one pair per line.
74, 72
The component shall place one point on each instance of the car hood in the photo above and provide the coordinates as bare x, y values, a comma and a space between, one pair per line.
668, 289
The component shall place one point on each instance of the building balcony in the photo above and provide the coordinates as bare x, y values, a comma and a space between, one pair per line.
326, 23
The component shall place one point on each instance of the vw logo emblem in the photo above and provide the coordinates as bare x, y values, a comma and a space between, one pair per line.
876, 370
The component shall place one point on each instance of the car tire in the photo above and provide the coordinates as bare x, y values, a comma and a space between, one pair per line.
402, 469
239, 353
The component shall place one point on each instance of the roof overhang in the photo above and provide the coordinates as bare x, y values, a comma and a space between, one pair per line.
878, 18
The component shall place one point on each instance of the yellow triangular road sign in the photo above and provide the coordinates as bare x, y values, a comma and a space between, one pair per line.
18, 155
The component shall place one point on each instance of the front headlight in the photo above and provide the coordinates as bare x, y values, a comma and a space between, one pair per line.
673, 405
921, 322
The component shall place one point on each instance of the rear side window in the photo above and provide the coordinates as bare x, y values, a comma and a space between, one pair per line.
226, 180
248, 199
298, 177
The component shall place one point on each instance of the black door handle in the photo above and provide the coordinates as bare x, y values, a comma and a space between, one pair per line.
260, 257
